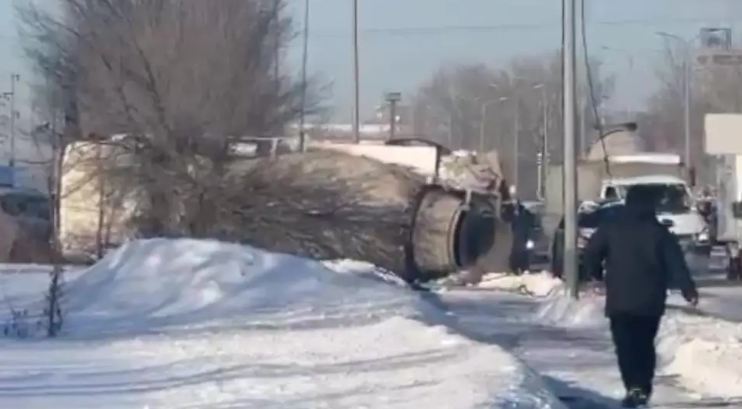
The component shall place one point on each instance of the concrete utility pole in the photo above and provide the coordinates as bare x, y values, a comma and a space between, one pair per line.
544, 140
516, 143
687, 73
393, 98
14, 78
305, 58
582, 116
451, 121
687, 78
277, 45
356, 78
483, 124
569, 56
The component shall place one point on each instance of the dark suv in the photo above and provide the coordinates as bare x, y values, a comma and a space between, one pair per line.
588, 220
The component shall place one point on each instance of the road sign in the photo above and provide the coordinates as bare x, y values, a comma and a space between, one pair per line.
394, 96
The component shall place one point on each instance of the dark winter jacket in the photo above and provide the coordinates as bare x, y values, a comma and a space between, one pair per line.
641, 259
522, 225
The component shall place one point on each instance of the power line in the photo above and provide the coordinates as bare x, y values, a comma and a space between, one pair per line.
447, 29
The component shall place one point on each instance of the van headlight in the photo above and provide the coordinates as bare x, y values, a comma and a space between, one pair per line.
702, 237
530, 245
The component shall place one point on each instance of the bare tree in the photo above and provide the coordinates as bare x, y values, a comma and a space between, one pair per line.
713, 89
478, 107
180, 80
184, 79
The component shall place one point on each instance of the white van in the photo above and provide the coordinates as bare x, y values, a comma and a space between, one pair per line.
675, 207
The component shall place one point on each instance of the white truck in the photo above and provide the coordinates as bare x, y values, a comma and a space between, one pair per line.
665, 173
676, 209
724, 144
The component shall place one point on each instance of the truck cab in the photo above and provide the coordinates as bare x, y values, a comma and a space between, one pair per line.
675, 207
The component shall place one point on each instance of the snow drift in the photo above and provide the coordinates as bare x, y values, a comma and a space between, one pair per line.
562, 310
705, 353
151, 284
201, 324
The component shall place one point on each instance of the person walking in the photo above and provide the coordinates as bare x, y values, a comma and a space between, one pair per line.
641, 259
522, 228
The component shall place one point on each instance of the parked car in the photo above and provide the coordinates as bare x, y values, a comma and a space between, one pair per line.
26, 224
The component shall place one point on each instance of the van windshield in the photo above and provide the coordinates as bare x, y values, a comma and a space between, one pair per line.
669, 198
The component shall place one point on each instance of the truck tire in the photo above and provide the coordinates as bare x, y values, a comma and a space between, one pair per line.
448, 235
476, 233
734, 269
437, 220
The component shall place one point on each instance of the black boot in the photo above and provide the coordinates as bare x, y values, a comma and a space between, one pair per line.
635, 398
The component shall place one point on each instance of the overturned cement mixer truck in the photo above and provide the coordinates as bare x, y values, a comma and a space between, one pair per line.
458, 211
411, 207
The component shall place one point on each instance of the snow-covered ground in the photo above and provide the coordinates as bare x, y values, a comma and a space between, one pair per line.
539, 285
194, 324
701, 353
569, 343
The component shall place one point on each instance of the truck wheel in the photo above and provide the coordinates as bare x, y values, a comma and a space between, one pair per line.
734, 270
449, 235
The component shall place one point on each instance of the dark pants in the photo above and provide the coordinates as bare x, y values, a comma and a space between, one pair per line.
519, 256
518, 261
633, 337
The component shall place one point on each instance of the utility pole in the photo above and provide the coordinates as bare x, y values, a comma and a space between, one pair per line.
356, 78
277, 46
687, 79
516, 143
393, 98
483, 124
543, 163
450, 129
14, 78
569, 56
686, 108
582, 117
305, 57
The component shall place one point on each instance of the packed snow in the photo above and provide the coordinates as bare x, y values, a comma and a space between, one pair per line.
539, 285
570, 346
200, 324
704, 353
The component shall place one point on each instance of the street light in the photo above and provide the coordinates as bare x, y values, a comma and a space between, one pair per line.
538, 86
543, 164
483, 116
485, 106
686, 89
516, 124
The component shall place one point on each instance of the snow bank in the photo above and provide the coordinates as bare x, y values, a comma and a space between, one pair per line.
706, 353
160, 283
703, 352
562, 310
366, 270
539, 285
200, 324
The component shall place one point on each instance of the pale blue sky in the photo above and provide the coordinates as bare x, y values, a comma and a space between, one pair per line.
402, 42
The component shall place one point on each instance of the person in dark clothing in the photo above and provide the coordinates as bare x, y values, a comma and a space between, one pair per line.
522, 228
641, 258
